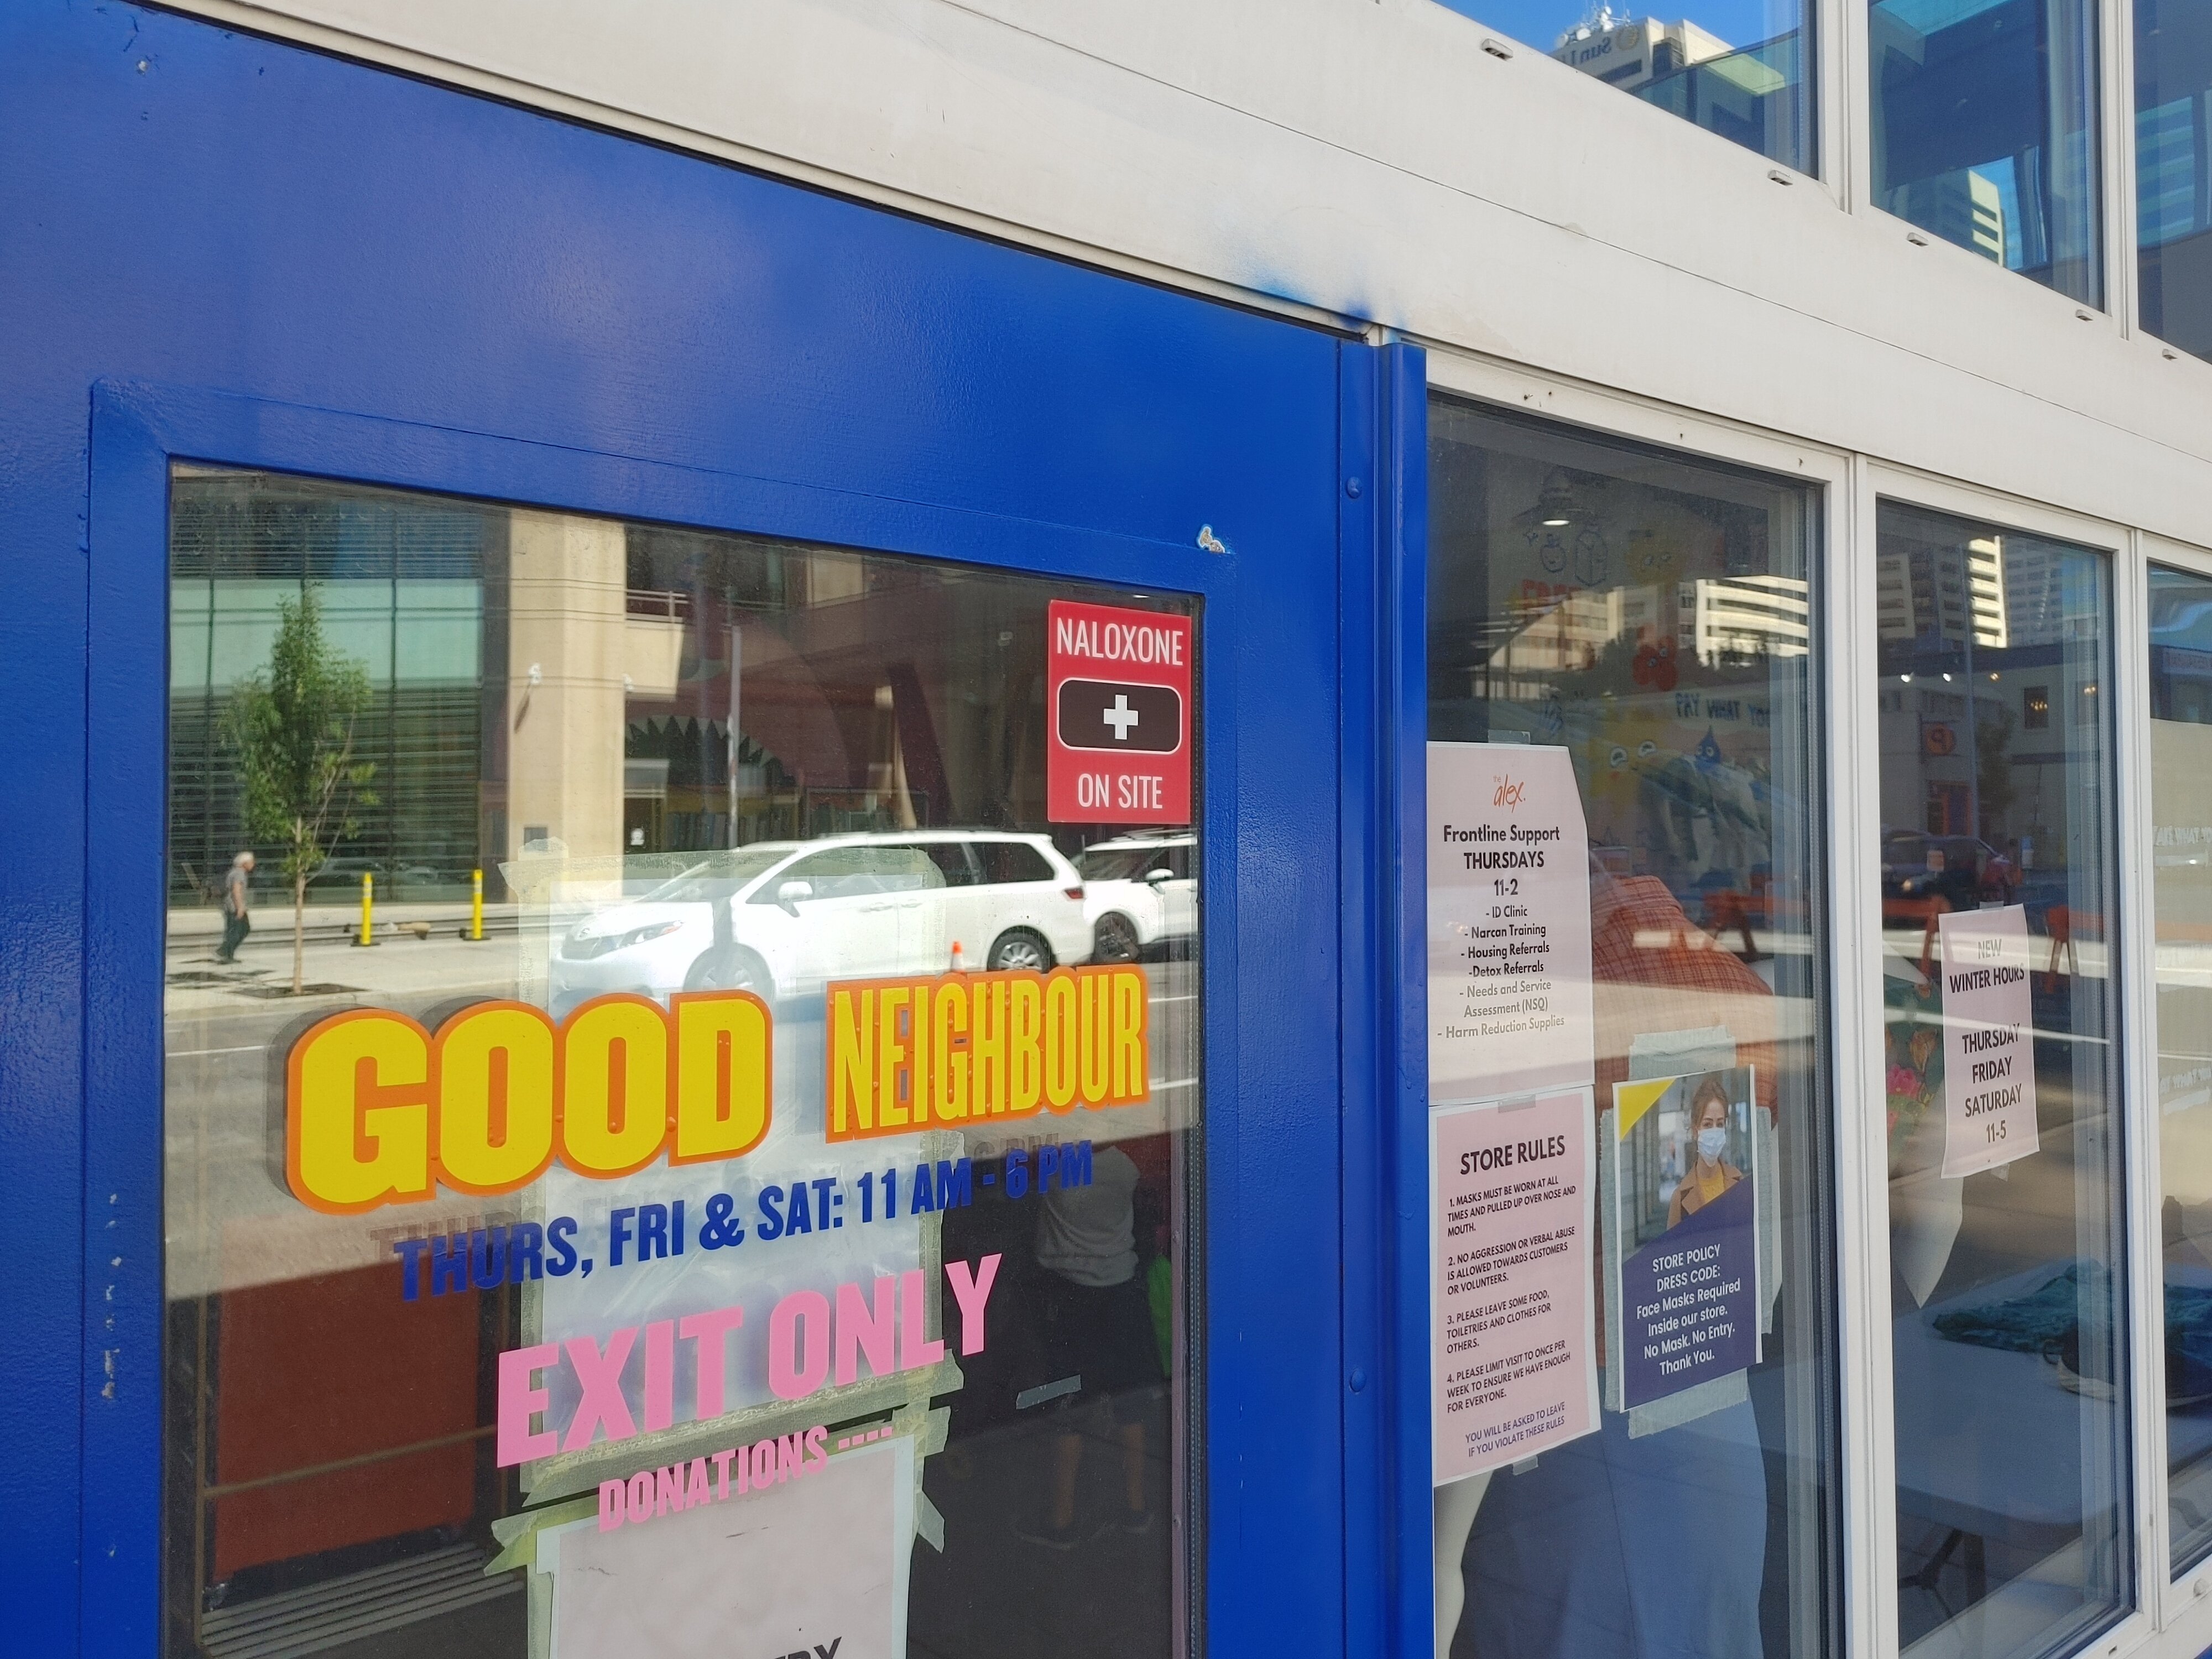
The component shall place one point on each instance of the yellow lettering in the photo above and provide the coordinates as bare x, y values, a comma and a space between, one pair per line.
495, 1068
948, 1071
614, 1070
852, 1063
358, 1130
987, 1047
918, 1067
724, 1077
1133, 1075
890, 1057
1024, 1028
1059, 1037
1097, 986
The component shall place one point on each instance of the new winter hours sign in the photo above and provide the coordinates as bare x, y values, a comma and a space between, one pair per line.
1989, 1042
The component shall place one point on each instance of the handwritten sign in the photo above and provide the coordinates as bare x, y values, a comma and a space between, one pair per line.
1988, 1040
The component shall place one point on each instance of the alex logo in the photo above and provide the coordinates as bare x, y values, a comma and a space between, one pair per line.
379, 1111
1510, 791
820, 1652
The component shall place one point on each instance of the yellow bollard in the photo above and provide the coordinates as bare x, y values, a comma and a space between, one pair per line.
475, 905
368, 909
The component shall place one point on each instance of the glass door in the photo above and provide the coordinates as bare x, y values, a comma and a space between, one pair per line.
681, 1068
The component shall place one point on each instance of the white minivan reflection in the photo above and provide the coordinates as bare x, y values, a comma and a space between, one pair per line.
781, 918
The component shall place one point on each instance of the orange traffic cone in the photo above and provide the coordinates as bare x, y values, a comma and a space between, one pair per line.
958, 965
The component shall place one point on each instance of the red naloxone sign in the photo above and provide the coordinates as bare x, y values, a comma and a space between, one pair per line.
1118, 692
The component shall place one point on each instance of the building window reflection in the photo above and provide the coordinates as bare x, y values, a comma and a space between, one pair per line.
1742, 68
1985, 130
2173, 181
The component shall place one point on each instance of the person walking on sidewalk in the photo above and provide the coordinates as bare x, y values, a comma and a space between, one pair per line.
237, 902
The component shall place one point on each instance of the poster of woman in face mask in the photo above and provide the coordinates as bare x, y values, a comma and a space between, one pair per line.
1710, 1173
1686, 1248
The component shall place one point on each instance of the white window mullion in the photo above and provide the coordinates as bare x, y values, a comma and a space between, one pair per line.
2134, 946
1868, 1451
2116, 123
1845, 116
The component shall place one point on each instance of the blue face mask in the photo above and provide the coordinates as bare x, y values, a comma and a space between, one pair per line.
1712, 1143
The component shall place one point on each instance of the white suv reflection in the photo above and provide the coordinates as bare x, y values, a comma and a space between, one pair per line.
782, 918
1140, 891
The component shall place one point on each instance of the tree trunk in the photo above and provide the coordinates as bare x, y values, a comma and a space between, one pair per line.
299, 929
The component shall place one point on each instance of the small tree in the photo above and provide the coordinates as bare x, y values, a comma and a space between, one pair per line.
292, 728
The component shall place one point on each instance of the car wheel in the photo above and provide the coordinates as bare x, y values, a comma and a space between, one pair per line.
1017, 947
728, 968
1114, 939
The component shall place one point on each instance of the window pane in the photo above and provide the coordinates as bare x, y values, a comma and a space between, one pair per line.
952, 861
1986, 130
1654, 619
1742, 68
2181, 810
2004, 1165
1012, 860
881, 1258
2173, 170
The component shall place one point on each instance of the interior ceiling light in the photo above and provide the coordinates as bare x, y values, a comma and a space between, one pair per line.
1555, 507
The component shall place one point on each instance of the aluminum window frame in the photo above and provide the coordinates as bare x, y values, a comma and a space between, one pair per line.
2184, 1599
1857, 1227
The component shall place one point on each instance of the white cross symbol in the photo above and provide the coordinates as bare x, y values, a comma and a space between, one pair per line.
1120, 717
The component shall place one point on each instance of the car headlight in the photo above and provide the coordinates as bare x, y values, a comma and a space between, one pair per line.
639, 935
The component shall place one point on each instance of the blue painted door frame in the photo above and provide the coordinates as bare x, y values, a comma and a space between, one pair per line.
226, 250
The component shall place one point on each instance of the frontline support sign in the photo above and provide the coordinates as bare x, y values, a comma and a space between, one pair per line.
1117, 745
1508, 914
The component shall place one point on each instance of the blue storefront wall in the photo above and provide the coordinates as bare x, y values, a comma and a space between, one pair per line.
226, 250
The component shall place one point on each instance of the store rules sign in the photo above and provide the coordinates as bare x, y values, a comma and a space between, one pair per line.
1117, 743
1514, 1371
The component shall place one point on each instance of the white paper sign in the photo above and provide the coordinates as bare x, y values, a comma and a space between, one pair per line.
817, 1563
1509, 923
1513, 1319
1989, 1039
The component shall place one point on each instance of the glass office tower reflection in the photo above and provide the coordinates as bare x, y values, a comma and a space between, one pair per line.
1997, 880
1743, 69
1985, 130
2173, 171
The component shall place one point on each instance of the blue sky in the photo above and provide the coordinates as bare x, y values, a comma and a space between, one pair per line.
1538, 22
